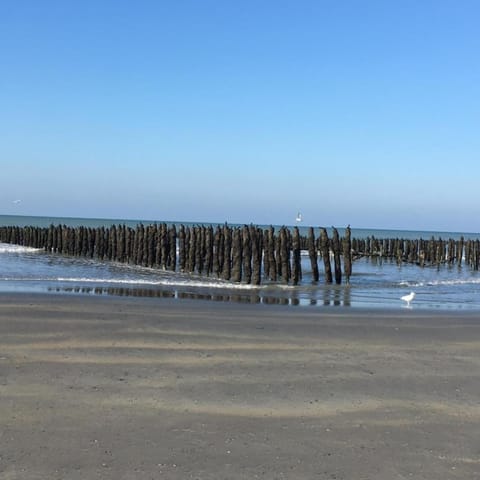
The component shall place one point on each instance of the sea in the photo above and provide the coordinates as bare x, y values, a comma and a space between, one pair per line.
374, 283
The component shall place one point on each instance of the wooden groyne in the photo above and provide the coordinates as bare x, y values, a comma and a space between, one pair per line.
247, 254
421, 252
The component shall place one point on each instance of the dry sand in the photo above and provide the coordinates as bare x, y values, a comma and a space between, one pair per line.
115, 388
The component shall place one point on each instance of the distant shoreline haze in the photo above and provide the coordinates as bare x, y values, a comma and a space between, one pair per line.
45, 221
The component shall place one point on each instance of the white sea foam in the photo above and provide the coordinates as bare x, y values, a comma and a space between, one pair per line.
8, 248
163, 282
435, 283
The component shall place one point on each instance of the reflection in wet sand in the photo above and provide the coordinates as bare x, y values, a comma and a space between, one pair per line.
333, 296
337, 296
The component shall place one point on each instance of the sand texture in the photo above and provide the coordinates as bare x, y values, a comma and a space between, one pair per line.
114, 388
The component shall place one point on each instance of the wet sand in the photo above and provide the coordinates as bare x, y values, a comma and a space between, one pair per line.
125, 388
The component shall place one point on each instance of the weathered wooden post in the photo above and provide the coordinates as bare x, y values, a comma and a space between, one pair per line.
272, 262
129, 241
247, 255
266, 260
192, 249
41, 236
209, 250
336, 256
438, 252
460, 245
58, 239
49, 243
476, 250
172, 240
149, 246
126, 244
256, 236
121, 243
130, 244
236, 256
431, 250
368, 249
227, 253
113, 243
421, 252
413, 255
144, 247
106, 243
450, 256
399, 250
407, 251
325, 251
312, 253
68, 240
347, 254
19, 236
91, 242
161, 246
164, 246
296, 254
77, 239
277, 253
181, 248
187, 248
54, 237
476, 254
284, 255
157, 246
467, 247
98, 242
87, 241
199, 249
137, 244
289, 250
26, 240
218, 251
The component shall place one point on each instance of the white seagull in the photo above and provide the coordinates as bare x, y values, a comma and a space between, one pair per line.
408, 298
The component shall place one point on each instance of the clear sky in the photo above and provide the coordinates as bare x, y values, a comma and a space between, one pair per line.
352, 112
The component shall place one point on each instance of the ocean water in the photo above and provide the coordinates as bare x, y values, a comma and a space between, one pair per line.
373, 283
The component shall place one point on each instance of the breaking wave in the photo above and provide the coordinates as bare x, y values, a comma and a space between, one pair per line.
7, 248
435, 283
162, 282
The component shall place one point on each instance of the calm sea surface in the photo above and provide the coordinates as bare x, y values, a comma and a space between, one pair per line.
373, 283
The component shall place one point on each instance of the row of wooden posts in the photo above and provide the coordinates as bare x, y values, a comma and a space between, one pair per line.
247, 254
432, 252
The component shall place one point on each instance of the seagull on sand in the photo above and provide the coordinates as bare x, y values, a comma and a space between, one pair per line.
408, 298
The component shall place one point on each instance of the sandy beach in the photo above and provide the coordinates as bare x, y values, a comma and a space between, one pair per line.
140, 388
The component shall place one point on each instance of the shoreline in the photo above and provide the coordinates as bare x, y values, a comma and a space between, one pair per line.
140, 388
336, 300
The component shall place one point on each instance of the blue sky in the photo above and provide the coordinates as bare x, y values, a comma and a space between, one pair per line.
352, 112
